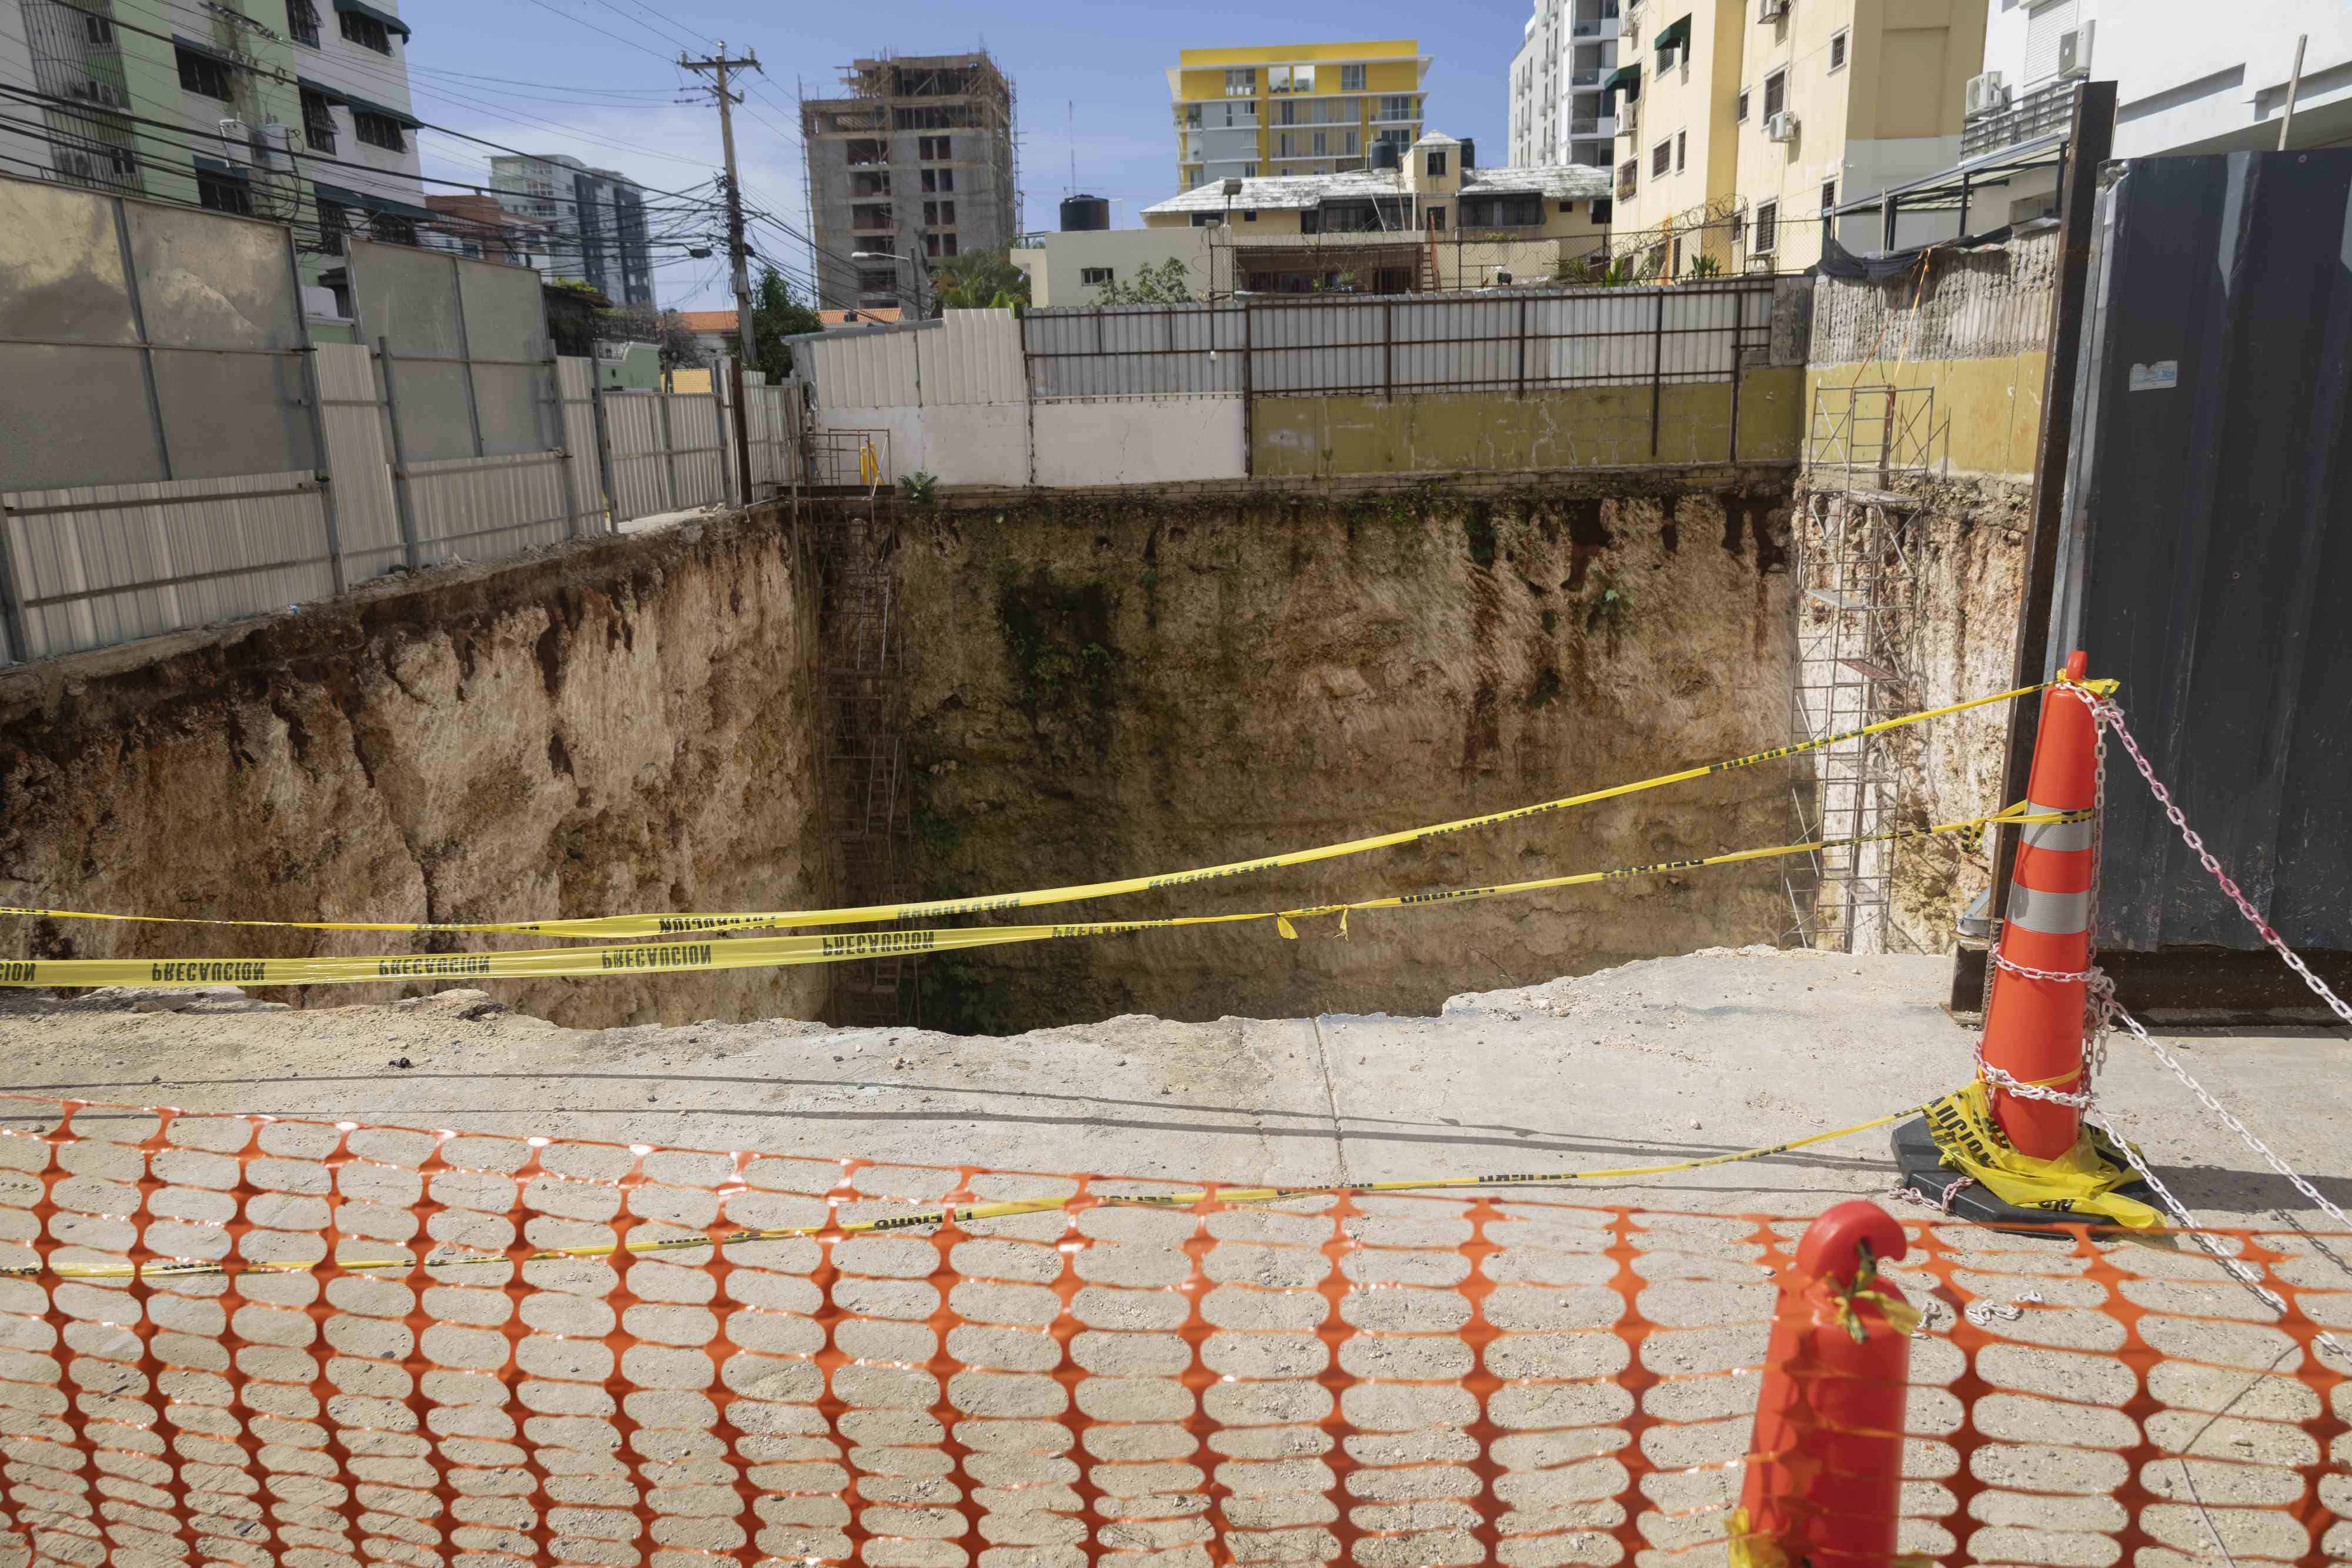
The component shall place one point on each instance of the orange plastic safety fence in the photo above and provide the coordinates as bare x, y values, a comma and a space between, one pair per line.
374, 1364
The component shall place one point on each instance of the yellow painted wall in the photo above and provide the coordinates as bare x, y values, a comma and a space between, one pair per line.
1306, 54
1988, 412
1574, 427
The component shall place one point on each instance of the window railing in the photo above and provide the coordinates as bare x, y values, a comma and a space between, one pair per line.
1590, 78
2037, 112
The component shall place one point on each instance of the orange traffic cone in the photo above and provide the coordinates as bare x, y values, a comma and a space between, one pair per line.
1990, 1151
1824, 1479
2033, 1025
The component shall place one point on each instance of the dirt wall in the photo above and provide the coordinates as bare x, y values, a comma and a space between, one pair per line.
1107, 686
617, 726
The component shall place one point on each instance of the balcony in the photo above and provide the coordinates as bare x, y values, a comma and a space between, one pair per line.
1589, 77
1589, 28
1592, 127
2038, 111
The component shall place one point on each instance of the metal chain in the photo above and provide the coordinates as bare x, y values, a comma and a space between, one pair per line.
2110, 716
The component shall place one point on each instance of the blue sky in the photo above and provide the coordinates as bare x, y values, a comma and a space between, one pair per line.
597, 78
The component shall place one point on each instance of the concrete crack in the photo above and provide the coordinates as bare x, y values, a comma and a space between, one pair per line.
1331, 1104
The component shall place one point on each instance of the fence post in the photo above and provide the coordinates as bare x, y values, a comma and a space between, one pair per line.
466, 353
1523, 345
138, 326
718, 429
603, 448
12, 601
1249, 410
563, 445
320, 467
669, 450
401, 505
1657, 366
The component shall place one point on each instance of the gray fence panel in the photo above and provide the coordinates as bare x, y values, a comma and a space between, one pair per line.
575, 381
641, 475
182, 365
408, 299
1149, 350
99, 564
699, 448
359, 463
486, 509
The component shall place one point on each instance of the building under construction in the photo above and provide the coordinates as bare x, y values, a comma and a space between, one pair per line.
915, 163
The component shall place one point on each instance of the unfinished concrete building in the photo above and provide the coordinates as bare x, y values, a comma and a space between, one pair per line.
915, 166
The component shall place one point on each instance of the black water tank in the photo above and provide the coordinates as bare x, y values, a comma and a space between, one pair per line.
1384, 155
1085, 212
1469, 154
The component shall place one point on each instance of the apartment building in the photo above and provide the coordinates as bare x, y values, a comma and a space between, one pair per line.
914, 166
1744, 125
594, 219
1560, 113
271, 109
2181, 86
1296, 109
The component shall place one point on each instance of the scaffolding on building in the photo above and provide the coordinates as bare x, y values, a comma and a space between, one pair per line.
1849, 562
866, 789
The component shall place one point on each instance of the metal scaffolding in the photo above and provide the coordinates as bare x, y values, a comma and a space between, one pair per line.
860, 669
1852, 573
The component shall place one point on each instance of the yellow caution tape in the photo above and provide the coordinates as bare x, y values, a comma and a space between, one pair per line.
1751, 1548
941, 1215
690, 925
2080, 1181
725, 951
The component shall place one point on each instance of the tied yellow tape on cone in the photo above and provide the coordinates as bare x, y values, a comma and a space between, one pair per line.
2080, 1181
1753, 1548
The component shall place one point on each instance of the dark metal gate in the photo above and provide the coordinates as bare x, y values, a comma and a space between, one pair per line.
2207, 543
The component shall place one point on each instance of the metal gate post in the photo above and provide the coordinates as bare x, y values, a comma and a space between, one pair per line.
669, 450
604, 449
403, 505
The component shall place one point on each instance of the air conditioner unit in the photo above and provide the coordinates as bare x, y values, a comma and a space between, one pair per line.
2074, 52
1780, 127
1771, 10
1629, 120
1988, 94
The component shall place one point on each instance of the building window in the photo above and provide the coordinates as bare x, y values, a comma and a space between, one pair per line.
877, 282
1502, 211
1249, 215
1347, 145
364, 31
1288, 114
378, 130
99, 31
1435, 166
1284, 78
1241, 81
949, 241
1740, 113
1205, 220
1282, 145
1351, 79
1397, 108
392, 229
1776, 93
1436, 217
1768, 228
202, 74
1318, 149
1249, 170
1682, 147
930, 211
302, 21
1191, 117
333, 225
221, 191
1601, 207
1829, 195
1091, 275
1662, 158
1674, 258
931, 245
1628, 176
318, 123
1837, 50
934, 147
1739, 230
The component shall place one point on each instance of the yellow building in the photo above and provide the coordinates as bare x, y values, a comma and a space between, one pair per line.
1743, 124
1293, 109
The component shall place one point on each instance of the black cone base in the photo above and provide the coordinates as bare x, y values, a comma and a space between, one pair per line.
1925, 1173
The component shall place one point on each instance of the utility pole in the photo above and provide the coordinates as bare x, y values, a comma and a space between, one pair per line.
719, 65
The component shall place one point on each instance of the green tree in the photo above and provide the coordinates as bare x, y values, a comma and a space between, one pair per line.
979, 280
776, 314
1169, 283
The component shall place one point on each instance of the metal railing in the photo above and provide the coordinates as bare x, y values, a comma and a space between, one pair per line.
2038, 111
